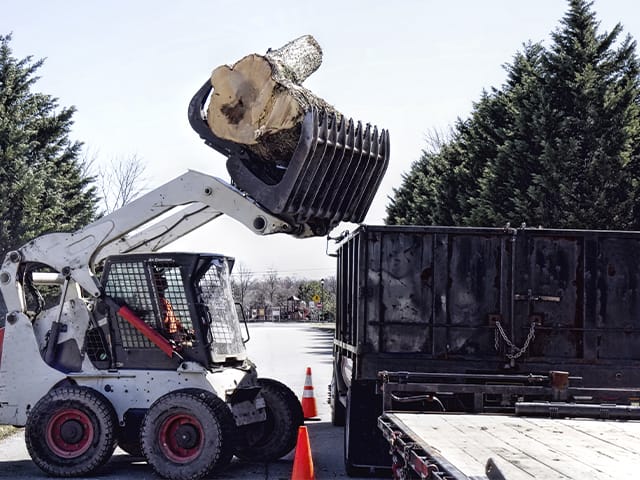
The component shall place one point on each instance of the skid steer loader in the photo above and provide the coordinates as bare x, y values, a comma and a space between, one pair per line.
106, 340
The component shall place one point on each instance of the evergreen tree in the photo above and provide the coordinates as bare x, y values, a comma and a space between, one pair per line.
503, 184
415, 201
42, 185
556, 146
591, 105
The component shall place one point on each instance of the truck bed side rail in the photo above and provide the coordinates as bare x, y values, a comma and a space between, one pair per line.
552, 395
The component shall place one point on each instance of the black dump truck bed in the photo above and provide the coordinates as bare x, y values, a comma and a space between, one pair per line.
484, 307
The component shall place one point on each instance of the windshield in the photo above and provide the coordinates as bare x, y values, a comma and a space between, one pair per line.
224, 328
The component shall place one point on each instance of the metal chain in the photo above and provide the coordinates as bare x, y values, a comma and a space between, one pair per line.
518, 351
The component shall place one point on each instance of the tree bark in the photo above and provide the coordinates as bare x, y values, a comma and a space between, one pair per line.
259, 101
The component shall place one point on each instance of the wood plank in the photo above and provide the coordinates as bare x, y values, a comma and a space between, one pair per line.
598, 444
517, 454
548, 445
526, 448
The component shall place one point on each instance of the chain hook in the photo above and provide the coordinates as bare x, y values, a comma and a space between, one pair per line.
517, 352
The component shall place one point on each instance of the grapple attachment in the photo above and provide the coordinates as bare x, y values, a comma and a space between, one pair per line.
332, 175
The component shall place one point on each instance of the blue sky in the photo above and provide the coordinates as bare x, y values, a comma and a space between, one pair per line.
130, 68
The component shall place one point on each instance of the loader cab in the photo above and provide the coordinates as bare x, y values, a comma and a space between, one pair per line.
185, 298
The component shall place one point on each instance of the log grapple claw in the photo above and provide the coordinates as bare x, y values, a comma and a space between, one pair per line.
332, 176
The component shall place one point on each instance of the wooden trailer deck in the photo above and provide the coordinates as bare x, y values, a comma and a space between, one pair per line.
521, 447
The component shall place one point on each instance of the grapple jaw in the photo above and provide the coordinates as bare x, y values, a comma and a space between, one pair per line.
332, 175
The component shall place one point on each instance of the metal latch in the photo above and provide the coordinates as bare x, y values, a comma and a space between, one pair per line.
529, 296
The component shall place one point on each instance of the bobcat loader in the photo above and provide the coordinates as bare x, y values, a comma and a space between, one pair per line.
106, 340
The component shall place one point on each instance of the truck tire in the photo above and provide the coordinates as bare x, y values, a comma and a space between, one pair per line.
277, 435
70, 432
338, 411
187, 434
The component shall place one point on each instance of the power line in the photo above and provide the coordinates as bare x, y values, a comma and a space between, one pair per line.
329, 271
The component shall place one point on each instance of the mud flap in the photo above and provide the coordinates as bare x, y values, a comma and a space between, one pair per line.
365, 447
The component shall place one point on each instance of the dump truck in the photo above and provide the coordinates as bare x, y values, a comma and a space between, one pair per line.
482, 323
108, 339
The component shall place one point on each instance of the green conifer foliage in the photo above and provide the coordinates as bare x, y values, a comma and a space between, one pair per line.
556, 146
42, 185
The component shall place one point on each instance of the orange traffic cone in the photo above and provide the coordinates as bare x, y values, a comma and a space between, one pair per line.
308, 399
303, 461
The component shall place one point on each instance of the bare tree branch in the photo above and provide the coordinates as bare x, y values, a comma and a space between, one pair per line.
88, 164
242, 281
436, 138
271, 282
121, 181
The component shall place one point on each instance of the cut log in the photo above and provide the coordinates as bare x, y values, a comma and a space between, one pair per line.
259, 101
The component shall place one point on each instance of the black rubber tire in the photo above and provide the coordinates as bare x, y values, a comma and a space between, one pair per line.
71, 432
338, 411
187, 434
226, 420
277, 435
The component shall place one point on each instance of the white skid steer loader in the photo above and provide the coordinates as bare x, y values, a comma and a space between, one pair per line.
105, 340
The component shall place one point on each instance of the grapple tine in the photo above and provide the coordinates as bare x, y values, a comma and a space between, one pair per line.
351, 170
332, 158
301, 198
334, 164
363, 181
341, 168
360, 165
332, 175
381, 159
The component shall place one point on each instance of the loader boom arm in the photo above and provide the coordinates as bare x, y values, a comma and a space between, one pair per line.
136, 227
331, 177
161, 233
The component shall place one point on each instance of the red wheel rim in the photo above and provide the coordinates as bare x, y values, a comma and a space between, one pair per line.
69, 433
181, 437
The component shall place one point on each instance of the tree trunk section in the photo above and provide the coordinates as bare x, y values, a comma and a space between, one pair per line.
259, 101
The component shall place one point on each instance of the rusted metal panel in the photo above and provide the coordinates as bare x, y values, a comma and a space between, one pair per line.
492, 300
618, 299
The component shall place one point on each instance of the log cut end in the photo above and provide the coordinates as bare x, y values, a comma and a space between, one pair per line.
247, 103
259, 102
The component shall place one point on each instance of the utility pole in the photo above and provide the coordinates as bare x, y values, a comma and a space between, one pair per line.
322, 299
